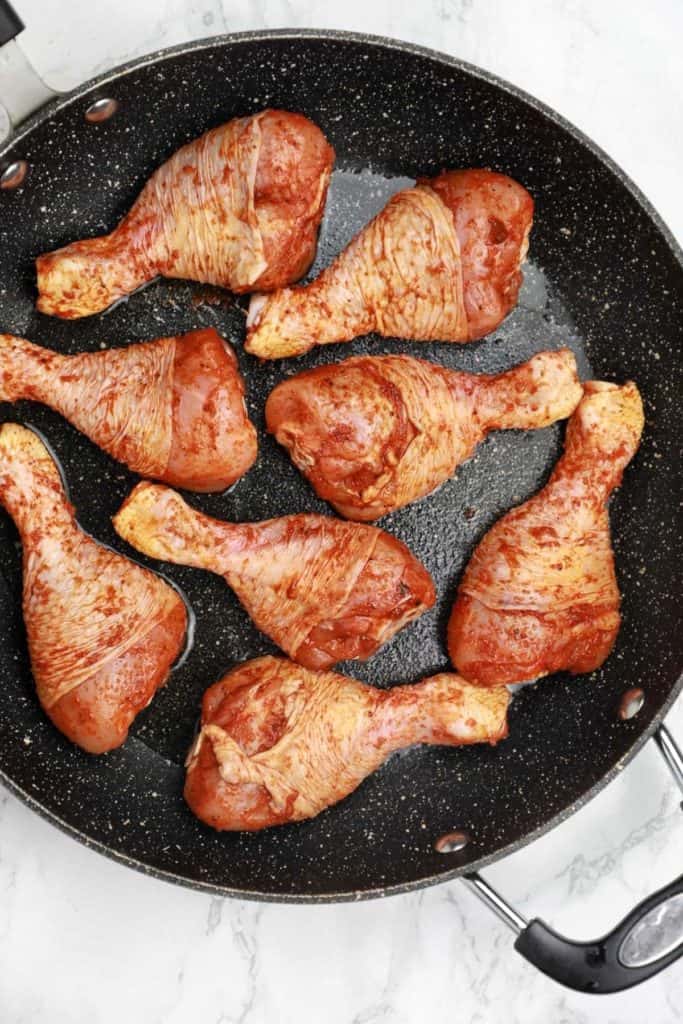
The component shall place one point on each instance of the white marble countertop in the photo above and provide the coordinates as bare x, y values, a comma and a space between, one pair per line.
85, 941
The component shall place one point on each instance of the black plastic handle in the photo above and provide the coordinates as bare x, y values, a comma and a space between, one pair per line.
10, 23
644, 943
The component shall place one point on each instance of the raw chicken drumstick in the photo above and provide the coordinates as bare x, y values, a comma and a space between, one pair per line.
322, 589
102, 631
280, 743
374, 433
239, 207
540, 594
171, 409
440, 262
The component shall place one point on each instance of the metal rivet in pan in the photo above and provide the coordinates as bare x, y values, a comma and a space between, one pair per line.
101, 110
451, 842
13, 175
631, 703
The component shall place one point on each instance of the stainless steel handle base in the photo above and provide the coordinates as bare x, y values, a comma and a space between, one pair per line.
22, 90
10, 23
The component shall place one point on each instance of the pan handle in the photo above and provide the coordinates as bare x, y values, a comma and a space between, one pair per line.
22, 90
10, 23
644, 943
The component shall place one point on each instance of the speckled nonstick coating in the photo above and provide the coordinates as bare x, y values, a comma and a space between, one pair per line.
605, 277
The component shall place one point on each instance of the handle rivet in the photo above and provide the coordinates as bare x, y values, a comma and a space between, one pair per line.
14, 174
451, 842
101, 110
631, 703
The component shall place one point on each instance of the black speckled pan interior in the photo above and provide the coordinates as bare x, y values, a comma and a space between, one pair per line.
604, 277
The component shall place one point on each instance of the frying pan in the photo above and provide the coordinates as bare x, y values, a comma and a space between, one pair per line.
604, 277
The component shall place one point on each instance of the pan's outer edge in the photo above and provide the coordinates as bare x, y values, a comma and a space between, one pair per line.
386, 43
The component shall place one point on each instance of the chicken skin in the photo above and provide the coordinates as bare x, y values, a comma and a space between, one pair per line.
440, 262
279, 743
323, 590
171, 409
239, 207
374, 433
102, 631
540, 593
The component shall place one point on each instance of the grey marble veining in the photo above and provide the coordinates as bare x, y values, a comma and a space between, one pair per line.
82, 939
111, 945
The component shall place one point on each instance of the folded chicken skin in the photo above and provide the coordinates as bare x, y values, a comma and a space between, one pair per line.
440, 262
239, 207
279, 743
540, 593
322, 589
102, 631
374, 433
172, 409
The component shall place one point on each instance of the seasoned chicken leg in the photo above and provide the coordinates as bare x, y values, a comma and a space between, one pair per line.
102, 631
279, 743
374, 433
440, 262
171, 409
540, 594
322, 589
239, 207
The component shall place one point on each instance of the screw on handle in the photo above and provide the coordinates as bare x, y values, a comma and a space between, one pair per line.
644, 943
10, 23
648, 939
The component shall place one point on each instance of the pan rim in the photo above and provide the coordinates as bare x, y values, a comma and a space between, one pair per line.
383, 43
